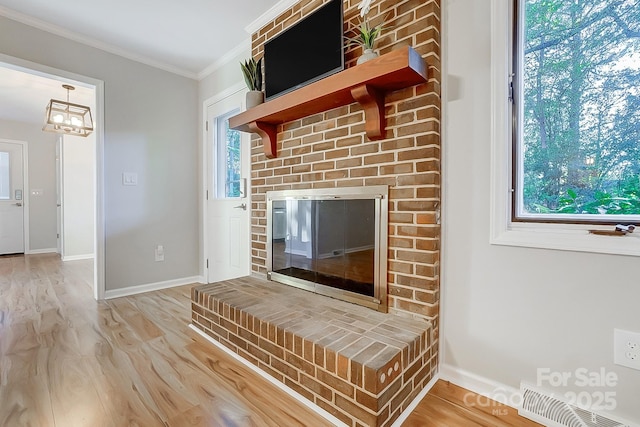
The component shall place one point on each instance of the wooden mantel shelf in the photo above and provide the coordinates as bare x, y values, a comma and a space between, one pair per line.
366, 84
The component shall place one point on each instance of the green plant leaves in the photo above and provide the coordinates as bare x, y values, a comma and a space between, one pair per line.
252, 73
365, 35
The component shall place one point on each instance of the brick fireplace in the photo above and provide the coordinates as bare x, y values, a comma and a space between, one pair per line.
331, 150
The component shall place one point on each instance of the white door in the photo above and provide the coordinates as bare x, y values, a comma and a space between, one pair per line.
228, 202
11, 198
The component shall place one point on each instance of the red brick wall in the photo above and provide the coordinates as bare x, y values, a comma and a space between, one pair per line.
331, 150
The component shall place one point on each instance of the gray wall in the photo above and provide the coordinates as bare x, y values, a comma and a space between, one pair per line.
150, 128
222, 78
42, 176
508, 311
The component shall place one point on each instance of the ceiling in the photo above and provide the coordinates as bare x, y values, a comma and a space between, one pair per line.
25, 96
186, 37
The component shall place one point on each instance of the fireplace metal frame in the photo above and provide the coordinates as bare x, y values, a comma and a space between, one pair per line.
380, 195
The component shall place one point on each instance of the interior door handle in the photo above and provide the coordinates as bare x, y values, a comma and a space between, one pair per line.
18, 204
242, 206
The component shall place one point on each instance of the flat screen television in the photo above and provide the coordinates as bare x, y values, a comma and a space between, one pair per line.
308, 51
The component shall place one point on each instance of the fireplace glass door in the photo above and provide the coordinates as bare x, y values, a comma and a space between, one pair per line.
327, 244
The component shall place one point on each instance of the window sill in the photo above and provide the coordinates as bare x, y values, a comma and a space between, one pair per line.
566, 237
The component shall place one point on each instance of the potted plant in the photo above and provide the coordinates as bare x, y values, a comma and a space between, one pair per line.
366, 35
367, 39
252, 72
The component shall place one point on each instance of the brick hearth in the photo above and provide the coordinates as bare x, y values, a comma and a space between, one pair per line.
360, 365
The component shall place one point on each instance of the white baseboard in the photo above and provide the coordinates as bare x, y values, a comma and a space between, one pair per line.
149, 287
324, 414
42, 251
480, 385
77, 257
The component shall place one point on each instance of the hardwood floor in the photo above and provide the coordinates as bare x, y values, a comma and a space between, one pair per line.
448, 405
67, 360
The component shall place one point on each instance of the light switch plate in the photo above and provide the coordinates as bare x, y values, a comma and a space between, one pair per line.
129, 178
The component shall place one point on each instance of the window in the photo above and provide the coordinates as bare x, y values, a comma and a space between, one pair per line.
5, 176
228, 178
576, 94
534, 231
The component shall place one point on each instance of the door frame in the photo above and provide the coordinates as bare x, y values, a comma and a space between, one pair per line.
99, 219
59, 198
204, 182
25, 190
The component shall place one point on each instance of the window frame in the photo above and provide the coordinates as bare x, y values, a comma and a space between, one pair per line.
503, 229
220, 155
516, 94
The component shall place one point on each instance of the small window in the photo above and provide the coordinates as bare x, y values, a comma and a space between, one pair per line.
5, 176
576, 98
228, 158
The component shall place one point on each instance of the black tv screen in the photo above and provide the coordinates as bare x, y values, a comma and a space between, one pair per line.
311, 49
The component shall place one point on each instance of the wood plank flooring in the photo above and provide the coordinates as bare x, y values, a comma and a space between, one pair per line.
448, 405
67, 360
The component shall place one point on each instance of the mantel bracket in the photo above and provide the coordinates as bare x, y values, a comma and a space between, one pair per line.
372, 100
269, 134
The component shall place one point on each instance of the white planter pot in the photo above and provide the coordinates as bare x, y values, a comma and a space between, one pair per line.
367, 55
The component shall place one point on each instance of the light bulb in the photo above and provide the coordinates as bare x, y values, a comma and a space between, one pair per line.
58, 118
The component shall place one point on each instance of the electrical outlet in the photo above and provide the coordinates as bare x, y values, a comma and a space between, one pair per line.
626, 348
159, 253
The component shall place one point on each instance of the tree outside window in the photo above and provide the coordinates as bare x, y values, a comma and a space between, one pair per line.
578, 98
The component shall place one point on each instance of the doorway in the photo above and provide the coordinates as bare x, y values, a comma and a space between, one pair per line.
228, 204
30, 72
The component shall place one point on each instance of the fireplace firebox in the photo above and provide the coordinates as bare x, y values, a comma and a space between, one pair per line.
330, 241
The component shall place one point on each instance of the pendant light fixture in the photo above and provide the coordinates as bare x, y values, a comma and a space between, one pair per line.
68, 118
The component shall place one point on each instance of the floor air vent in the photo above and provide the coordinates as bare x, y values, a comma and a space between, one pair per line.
554, 412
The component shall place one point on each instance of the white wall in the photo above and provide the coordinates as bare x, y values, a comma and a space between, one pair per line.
507, 311
226, 76
78, 201
42, 176
151, 129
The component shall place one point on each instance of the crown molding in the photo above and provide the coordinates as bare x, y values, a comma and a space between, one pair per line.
88, 41
269, 15
245, 46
